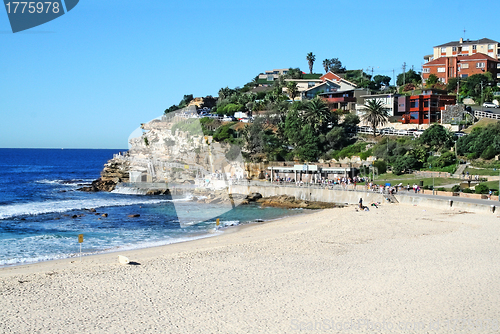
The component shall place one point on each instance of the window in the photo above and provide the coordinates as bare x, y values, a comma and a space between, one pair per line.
454, 49
465, 65
426, 70
490, 46
465, 48
464, 75
441, 69
426, 104
443, 50
479, 65
414, 104
474, 47
498, 65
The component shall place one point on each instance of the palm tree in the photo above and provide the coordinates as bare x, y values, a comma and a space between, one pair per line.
375, 114
292, 90
317, 113
326, 65
310, 60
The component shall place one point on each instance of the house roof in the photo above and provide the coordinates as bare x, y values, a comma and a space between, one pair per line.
468, 42
477, 56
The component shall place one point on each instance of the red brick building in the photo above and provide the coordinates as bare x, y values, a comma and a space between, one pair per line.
461, 67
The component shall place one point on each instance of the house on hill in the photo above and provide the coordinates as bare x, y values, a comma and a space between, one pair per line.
330, 83
461, 67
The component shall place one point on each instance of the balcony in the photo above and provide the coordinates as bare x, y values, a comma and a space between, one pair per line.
340, 99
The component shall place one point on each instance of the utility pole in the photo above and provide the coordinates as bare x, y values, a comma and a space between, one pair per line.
404, 73
482, 98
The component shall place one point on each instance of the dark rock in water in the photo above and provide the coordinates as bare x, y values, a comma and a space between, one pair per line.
74, 216
97, 214
92, 210
134, 216
253, 197
155, 192
290, 202
104, 215
259, 220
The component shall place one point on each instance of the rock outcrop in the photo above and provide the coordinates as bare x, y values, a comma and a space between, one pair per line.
115, 170
290, 202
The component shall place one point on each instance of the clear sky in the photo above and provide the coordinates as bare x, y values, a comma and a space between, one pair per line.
90, 77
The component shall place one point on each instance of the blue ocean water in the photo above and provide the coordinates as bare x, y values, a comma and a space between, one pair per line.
42, 213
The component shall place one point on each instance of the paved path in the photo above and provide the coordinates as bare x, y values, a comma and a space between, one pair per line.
453, 198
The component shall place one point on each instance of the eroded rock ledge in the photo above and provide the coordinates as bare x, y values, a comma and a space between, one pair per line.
114, 171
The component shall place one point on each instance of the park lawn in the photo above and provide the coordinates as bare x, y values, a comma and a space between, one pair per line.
411, 179
438, 181
493, 185
485, 171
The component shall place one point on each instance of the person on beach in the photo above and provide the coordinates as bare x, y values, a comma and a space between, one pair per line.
361, 204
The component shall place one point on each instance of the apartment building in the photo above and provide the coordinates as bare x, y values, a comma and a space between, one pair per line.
461, 67
467, 47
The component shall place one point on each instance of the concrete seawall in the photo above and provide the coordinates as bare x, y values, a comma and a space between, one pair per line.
311, 194
353, 196
449, 204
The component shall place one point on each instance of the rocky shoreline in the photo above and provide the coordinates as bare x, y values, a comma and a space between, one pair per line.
114, 172
283, 201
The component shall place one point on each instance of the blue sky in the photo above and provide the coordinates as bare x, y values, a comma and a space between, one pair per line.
90, 77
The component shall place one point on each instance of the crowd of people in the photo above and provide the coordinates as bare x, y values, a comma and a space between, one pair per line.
345, 182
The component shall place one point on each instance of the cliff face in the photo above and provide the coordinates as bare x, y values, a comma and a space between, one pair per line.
172, 150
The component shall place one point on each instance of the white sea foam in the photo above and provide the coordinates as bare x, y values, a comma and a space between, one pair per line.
147, 244
69, 183
38, 208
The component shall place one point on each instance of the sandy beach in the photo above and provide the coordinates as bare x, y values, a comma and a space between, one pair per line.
398, 268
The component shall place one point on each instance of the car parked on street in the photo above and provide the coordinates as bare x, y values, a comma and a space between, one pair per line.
489, 105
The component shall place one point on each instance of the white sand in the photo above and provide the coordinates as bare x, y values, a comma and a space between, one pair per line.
402, 266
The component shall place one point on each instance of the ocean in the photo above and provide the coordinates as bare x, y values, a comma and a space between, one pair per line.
42, 213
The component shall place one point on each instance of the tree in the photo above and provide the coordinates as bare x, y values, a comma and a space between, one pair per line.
375, 114
350, 122
185, 100
308, 149
436, 137
311, 58
404, 164
452, 85
336, 66
431, 80
318, 114
292, 89
294, 73
481, 189
337, 138
472, 85
409, 76
382, 80
326, 65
